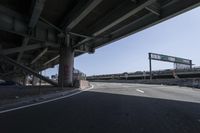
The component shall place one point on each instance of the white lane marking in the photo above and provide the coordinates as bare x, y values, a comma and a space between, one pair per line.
47, 101
140, 90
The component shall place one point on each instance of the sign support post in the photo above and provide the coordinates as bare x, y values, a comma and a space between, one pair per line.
166, 58
150, 69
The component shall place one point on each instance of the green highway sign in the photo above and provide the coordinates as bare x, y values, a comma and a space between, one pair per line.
167, 58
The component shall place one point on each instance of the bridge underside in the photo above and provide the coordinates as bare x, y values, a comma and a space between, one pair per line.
38, 34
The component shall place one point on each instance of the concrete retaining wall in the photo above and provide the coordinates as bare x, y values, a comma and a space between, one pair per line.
10, 92
190, 82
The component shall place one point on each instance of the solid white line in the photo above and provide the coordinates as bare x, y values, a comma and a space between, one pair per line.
140, 90
47, 101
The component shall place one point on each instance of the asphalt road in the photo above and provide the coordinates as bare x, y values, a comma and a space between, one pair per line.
112, 108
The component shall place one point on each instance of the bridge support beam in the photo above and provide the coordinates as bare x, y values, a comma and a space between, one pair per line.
27, 69
66, 65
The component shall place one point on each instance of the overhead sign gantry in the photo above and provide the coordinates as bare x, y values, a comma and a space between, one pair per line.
167, 58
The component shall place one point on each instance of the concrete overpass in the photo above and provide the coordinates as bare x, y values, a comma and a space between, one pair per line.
38, 34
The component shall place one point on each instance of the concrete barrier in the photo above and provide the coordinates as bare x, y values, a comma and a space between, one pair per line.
12, 92
189, 82
82, 84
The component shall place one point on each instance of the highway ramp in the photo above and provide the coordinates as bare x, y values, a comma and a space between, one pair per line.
112, 108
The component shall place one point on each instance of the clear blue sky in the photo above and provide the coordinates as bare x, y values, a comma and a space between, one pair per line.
179, 36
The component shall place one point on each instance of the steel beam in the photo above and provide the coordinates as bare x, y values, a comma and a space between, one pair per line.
28, 70
12, 22
76, 18
154, 8
19, 49
37, 10
24, 44
125, 16
82, 49
116, 21
80, 35
147, 21
63, 32
26, 48
53, 59
39, 56
81, 43
131, 28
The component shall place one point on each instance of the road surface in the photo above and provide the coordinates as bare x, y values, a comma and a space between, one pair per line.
112, 108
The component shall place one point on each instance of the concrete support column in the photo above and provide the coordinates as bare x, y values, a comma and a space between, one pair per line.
35, 81
65, 77
25, 81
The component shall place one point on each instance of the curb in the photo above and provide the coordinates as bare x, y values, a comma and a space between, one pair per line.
41, 100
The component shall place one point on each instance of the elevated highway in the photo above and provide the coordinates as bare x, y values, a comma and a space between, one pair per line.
39, 34
159, 74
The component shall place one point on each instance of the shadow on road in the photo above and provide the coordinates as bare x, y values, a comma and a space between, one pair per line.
95, 112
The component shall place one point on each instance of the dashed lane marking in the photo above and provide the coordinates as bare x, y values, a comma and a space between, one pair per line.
140, 90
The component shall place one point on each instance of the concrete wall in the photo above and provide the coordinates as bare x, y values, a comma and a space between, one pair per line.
190, 82
10, 92
82, 84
